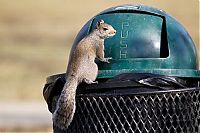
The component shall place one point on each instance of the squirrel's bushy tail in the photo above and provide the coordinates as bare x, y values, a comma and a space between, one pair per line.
65, 108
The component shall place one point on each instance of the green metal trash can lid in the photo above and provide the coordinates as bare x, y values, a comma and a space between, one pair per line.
147, 40
189, 73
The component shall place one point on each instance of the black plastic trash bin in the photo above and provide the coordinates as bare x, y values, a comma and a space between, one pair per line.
151, 85
125, 104
137, 109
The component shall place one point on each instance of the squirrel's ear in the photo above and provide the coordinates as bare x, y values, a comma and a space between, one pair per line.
99, 23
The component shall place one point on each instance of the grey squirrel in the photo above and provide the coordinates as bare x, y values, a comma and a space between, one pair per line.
81, 68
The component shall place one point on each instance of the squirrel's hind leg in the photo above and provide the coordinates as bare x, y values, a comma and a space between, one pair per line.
88, 81
89, 73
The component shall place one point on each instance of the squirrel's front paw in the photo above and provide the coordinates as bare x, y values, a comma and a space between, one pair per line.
107, 59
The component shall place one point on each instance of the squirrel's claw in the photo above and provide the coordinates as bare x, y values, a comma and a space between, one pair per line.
88, 81
107, 59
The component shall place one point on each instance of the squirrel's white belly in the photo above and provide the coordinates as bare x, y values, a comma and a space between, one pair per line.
88, 70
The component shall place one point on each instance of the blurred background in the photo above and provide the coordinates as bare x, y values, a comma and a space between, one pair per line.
35, 40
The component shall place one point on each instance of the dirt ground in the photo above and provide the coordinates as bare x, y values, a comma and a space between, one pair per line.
25, 117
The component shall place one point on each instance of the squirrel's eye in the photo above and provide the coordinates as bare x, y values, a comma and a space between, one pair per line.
105, 29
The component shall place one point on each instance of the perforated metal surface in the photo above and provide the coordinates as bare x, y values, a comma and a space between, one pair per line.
174, 112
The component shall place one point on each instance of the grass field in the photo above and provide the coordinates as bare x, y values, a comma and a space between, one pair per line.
36, 36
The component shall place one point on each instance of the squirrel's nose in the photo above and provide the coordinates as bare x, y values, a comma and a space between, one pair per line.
114, 31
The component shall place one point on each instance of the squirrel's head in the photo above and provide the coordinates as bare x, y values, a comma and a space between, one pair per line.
105, 30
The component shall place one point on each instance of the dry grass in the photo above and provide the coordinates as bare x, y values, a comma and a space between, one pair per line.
36, 36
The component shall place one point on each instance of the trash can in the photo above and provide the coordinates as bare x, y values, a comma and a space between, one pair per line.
151, 84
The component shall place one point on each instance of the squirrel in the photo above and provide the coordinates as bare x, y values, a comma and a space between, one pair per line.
81, 68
